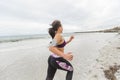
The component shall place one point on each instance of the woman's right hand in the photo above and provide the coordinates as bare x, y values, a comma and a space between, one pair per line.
68, 56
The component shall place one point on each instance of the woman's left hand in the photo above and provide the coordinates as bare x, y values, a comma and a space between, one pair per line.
72, 37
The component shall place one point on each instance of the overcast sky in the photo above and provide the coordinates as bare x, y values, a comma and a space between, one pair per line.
34, 16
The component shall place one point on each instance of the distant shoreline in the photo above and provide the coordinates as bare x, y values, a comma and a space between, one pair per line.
112, 30
95, 32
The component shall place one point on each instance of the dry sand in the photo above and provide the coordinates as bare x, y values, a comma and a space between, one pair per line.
107, 65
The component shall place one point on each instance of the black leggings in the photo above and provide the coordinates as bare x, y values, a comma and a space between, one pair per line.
58, 63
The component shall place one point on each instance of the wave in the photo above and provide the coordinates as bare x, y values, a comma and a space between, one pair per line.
17, 38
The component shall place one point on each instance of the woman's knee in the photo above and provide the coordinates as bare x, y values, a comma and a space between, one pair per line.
70, 69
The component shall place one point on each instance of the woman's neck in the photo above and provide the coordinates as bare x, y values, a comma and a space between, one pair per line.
58, 32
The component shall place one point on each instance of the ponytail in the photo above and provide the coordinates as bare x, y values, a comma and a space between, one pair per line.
52, 32
55, 25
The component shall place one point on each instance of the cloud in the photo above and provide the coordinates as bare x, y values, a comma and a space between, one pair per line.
32, 16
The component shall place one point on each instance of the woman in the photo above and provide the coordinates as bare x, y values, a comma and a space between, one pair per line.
58, 60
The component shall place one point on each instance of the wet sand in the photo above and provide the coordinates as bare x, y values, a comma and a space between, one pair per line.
27, 60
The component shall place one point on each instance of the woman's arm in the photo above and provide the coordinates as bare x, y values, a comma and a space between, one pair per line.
54, 49
70, 39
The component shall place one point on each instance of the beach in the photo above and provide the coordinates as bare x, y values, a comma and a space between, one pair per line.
93, 53
107, 65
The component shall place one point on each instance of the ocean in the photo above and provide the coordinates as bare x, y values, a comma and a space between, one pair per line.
16, 38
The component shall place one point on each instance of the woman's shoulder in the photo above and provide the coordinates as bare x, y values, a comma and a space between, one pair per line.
58, 35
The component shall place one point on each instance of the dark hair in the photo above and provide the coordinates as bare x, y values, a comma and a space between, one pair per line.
55, 25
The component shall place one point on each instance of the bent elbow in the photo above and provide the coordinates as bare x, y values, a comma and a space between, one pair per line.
51, 48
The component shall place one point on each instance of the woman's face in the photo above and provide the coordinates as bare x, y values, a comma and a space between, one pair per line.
60, 29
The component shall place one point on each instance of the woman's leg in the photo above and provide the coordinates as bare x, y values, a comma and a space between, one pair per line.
61, 63
69, 75
51, 70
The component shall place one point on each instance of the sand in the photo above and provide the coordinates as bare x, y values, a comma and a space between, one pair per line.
107, 65
27, 60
